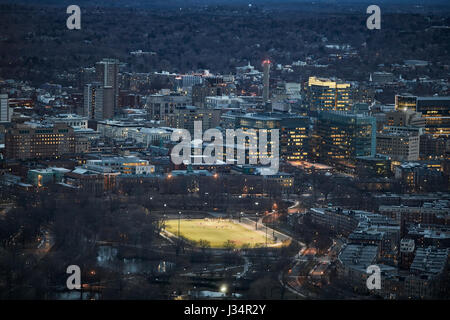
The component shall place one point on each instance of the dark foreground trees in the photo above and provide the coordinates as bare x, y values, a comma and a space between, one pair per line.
50, 230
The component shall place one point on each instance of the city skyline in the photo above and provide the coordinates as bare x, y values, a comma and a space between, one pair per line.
225, 152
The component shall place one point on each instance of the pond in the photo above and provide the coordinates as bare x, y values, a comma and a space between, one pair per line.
107, 257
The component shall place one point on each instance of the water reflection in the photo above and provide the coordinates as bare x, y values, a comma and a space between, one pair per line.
107, 257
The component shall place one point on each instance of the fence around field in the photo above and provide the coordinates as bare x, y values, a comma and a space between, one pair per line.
262, 227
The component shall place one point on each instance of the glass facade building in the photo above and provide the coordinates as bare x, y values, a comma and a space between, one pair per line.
340, 137
325, 94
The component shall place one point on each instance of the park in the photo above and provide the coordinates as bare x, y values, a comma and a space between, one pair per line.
219, 231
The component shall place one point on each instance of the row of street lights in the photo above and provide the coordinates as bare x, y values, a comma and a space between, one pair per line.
179, 215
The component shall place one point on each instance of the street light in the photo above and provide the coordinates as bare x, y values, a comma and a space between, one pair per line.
179, 220
273, 231
266, 235
223, 288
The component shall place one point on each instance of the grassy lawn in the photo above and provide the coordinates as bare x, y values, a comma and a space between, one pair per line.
217, 232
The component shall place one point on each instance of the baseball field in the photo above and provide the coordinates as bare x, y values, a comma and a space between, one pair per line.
219, 231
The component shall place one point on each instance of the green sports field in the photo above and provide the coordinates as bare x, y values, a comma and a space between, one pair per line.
217, 232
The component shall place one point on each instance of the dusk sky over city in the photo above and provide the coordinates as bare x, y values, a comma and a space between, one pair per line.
225, 159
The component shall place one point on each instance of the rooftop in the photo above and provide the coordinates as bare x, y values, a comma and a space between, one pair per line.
430, 260
358, 255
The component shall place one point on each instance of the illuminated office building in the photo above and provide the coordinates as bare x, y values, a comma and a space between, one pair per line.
401, 146
380, 165
293, 134
434, 147
327, 95
125, 165
436, 111
405, 118
340, 137
405, 102
294, 139
35, 141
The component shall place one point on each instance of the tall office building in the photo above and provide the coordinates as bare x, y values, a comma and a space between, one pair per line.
400, 137
293, 134
400, 146
107, 73
436, 111
5, 114
266, 81
340, 137
93, 101
327, 95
